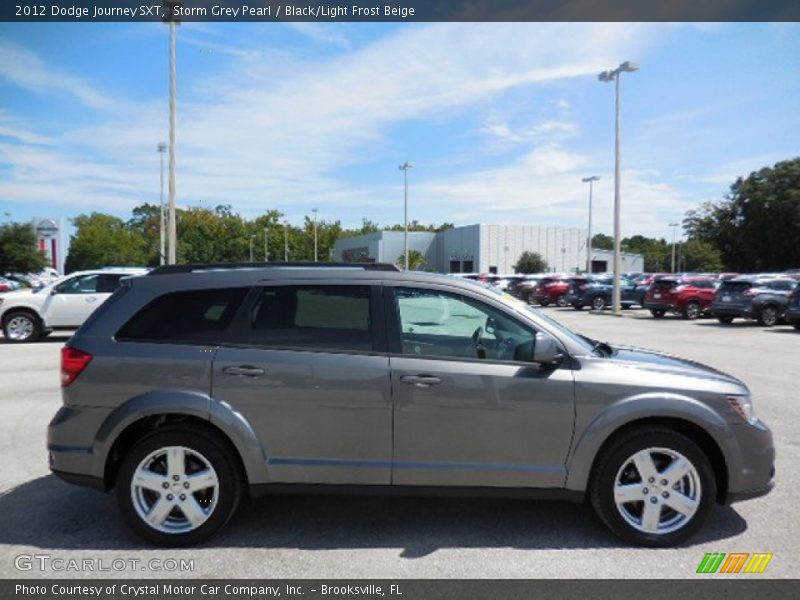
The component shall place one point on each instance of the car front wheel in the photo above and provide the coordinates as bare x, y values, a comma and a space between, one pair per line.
561, 301
177, 487
598, 303
658, 312
692, 310
768, 316
654, 487
21, 326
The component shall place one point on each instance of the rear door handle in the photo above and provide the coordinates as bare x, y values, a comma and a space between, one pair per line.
245, 370
422, 381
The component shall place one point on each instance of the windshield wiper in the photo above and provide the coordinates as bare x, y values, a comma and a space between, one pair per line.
598, 347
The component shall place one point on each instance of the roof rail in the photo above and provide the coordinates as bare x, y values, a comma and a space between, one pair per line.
195, 267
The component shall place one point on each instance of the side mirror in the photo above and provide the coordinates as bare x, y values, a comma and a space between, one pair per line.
545, 350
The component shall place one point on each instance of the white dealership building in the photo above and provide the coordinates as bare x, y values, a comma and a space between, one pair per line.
483, 248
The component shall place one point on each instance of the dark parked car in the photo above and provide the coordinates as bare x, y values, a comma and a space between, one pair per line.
597, 293
195, 385
689, 297
764, 300
792, 314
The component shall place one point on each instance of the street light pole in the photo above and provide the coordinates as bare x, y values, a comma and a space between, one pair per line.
266, 247
162, 226
404, 168
252, 238
672, 268
614, 75
590, 181
172, 96
285, 241
314, 210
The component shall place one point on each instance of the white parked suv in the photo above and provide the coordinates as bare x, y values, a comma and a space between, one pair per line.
28, 314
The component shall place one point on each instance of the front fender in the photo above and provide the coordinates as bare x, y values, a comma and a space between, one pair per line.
644, 406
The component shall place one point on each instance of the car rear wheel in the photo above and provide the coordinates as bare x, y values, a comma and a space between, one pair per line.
658, 312
544, 301
768, 316
692, 310
725, 320
561, 301
21, 326
653, 487
598, 303
177, 487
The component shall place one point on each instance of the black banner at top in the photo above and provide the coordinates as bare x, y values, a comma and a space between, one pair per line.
400, 10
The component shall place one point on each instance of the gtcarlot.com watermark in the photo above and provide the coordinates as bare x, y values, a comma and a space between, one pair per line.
60, 564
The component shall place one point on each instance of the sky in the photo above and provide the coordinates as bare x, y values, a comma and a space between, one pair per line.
500, 120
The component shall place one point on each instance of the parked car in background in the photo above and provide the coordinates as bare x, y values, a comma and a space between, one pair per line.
792, 314
7, 285
551, 290
597, 293
524, 289
456, 388
28, 314
751, 297
690, 297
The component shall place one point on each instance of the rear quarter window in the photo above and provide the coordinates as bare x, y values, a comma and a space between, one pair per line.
189, 317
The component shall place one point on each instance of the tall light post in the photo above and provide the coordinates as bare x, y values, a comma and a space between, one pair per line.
404, 168
162, 226
286, 241
590, 181
252, 239
314, 210
673, 225
614, 75
266, 244
169, 16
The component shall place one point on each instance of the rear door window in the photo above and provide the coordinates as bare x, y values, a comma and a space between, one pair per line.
189, 317
312, 317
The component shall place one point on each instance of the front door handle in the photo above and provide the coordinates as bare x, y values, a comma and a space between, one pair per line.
422, 381
245, 370
91, 299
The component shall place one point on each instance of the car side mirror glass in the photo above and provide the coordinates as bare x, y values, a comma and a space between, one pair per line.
546, 351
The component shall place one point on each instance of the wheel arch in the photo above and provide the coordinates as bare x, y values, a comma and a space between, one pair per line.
150, 412
699, 423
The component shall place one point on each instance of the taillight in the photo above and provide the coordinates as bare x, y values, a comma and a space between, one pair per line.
73, 362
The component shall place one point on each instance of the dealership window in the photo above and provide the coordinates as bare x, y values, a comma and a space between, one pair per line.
467, 266
455, 266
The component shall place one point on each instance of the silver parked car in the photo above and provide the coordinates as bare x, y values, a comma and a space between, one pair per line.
195, 385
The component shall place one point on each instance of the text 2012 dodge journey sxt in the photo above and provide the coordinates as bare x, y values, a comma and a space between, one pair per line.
195, 385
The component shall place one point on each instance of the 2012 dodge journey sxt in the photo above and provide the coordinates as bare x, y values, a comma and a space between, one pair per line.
197, 384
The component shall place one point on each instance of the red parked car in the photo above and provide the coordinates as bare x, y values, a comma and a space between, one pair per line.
690, 297
552, 290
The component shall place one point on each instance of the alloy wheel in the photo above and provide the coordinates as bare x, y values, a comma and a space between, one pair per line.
769, 316
174, 489
20, 327
657, 491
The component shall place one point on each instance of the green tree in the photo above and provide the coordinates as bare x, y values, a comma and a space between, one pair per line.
18, 251
656, 252
416, 260
698, 255
601, 241
757, 225
530, 262
101, 240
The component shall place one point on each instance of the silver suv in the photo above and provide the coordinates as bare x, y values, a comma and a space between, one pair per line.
196, 385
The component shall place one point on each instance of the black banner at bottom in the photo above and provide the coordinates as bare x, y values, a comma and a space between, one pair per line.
400, 589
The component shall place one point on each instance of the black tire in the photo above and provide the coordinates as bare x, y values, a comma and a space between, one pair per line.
692, 310
208, 445
32, 324
725, 320
613, 458
598, 303
577, 306
561, 301
544, 301
658, 313
797, 326
768, 317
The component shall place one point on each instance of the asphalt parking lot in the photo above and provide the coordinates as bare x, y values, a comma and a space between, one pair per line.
381, 537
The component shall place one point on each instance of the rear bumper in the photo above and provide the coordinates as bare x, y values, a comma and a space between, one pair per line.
792, 315
732, 311
71, 438
655, 305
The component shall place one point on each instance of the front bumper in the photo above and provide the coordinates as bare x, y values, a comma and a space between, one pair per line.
753, 474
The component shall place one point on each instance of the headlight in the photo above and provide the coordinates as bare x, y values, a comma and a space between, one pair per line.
743, 405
